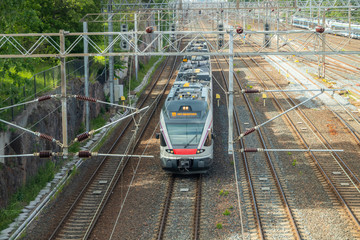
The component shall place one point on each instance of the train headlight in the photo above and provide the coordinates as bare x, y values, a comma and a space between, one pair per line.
200, 151
170, 151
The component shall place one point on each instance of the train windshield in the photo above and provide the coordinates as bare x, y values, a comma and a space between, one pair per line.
185, 134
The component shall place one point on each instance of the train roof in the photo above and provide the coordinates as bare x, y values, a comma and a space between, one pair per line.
190, 71
184, 90
187, 97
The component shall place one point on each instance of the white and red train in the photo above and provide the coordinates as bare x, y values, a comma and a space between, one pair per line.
186, 119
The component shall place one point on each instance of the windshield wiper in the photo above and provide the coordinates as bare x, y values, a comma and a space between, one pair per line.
190, 141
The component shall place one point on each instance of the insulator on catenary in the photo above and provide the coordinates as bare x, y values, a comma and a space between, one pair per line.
319, 29
45, 154
251, 150
46, 137
250, 91
82, 137
84, 154
239, 29
149, 29
43, 98
247, 132
84, 98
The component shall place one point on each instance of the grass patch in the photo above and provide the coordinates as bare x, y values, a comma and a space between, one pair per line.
26, 194
226, 213
143, 69
75, 147
219, 226
223, 192
99, 121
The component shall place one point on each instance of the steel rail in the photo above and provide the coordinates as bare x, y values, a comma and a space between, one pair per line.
166, 208
320, 135
79, 197
252, 190
272, 168
197, 210
340, 118
96, 217
322, 171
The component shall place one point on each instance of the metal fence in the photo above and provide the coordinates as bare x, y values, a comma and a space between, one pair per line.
47, 81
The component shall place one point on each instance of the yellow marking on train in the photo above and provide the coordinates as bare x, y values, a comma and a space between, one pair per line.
186, 114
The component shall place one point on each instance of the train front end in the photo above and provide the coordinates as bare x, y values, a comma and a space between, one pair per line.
186, 144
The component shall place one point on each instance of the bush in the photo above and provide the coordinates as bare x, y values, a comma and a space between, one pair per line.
26, 194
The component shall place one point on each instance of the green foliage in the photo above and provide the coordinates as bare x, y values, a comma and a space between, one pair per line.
289, 153
99, 121
294, 162
226, 213
223, 192
26, 194
257, 99
143, 69
231, 207
75, 147
219, 226
33, 16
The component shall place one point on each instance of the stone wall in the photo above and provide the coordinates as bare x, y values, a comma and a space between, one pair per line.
44, 117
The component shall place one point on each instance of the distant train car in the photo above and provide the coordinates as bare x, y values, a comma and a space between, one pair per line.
303, 23
186, 119
329, 24
355, 29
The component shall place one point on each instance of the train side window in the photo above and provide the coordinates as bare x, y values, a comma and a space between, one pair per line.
162, 140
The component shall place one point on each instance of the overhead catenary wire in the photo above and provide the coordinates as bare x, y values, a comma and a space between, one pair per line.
290, 109
40, 99
41, 135
288, 150
86, 135
90, 99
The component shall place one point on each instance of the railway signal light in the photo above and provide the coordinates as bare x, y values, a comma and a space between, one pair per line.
173, 29
220, 36
123, 43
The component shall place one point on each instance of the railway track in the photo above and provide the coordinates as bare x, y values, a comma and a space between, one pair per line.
181, 209
346, 117
86, 209
338, 175
260, 179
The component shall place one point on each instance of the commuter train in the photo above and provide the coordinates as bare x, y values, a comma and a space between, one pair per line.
329, 24
186, 119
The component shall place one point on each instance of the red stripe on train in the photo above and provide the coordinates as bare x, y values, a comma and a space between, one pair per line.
185, 151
